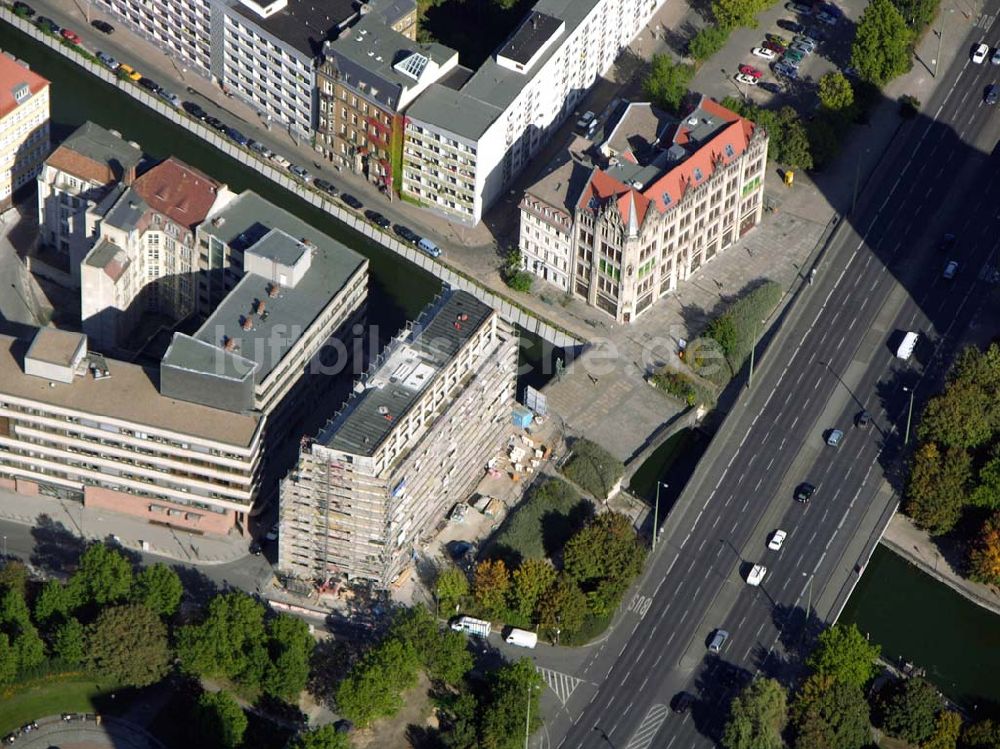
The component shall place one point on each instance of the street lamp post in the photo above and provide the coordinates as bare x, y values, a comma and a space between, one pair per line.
656, 512
909, 414
753, 348
527, 717
940, 35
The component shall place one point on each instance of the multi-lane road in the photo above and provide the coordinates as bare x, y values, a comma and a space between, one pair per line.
833, 357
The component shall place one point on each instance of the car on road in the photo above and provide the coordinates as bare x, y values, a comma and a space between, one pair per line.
23, 9
773, 46
767, 54
129, 72
681, 702
801, 8
718, 640
236, 136
947, 242
789, 25
834, 438
47, 24
751, 71
300, 172
786, 70
351, 201
863, 419
406, 233
991, 94
995, 59
103, 26
378, 219
195, 110
756, 575
950, 269
770, 87
107, 61
804, 492
777, 539
979, 53
746, 80
70, 36
326, 186
149, 84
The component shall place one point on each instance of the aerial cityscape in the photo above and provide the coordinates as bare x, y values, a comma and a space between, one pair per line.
488, 374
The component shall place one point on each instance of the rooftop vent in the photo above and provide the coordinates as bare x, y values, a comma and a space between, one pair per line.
218, 221
692, 121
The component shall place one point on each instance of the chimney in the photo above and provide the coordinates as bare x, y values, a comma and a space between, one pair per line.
129, 176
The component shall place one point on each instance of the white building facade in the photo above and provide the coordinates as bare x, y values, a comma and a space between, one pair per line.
24, 126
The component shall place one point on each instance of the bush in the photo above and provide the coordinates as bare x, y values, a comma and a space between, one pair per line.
519, 280
707, 42
676, 384
540, 526
740, 326
593, 468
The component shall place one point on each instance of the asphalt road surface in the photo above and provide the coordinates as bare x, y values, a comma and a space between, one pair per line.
881, 277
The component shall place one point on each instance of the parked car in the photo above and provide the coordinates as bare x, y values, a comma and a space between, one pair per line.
149, 84
770, 87
767, 54
746, 80
834, 10
272, 535
236, 136
773, 46
777, 39
806, 39
804, 492
299, 172
351, 201
428, 247
406, 233
777, 540
979, 53
129, 72
281, 161
169, 97
786, 70
751, 71
327, 187
802, 47
378, 219
801, 8
216, 123
793, 56
195, 110
950, 269
828, 18
851, 72
47, 24
789, 25
991, 94
23, 9
107, 61
103, 26
260, 148
70, 36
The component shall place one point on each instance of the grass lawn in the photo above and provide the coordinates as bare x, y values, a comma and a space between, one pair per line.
48, 695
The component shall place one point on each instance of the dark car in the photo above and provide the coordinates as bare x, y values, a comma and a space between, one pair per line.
406, 234
103, 26
948, 242
24, 10
47, 24
351, 201
215, 122
863, 419
789, 25
255, 548
10, 738
804, 492
682, 702
378, 219
992, 94
236, 136
325, 186
195, 110
260, 148
770, 87
149, 84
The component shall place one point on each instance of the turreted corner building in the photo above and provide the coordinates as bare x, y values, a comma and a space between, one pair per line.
413, 440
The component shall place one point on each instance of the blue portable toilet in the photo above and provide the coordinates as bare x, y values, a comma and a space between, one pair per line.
522, 417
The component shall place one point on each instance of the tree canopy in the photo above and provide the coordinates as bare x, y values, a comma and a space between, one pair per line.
984, 558
104, 575
835, 92
230, 642
159, 589
757, 717
844, 654
374, 686
910, 712
667, 82
222, 720
129, 644
451, 587
936, 491
324, 737
503, 719
882, 43
831, 714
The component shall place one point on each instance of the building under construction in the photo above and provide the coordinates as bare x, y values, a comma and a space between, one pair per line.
413, 440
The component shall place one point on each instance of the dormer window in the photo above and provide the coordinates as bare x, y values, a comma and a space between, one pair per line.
22, 92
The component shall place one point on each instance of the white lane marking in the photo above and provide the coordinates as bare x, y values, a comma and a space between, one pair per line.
563, 685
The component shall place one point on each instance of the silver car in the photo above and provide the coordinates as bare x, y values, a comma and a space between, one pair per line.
715, 646
835, 438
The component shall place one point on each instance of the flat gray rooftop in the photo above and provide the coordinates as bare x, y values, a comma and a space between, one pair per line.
103, 146
530, 36
402, 372
303, 24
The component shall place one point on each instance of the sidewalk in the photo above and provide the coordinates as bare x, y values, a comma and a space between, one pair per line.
132, 533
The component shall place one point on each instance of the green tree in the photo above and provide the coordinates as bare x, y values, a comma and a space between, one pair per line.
604, 557
15, 621
562, 608
917, 13
593, 468
104, 575
835, 92
54, 599
757, 716
128, 643
795, 150
221, 719
451, 587
987, 489
374, 686
910, 712
982, 735
831, 714
937, 487
984, 556
14, 576
159, 589
667, 82
733, 13
824, 135
8, 660
946, 731
531, 580
290, 646
709, 40
69, 641
230, 642
324, 737
490, 586
882, 43
503, 719
843, 653
961, 416
444, 655
459, 726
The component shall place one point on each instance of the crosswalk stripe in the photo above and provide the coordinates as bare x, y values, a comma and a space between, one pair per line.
563, 685
647, 730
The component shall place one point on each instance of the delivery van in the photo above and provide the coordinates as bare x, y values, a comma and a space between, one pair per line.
905, 349
522, 638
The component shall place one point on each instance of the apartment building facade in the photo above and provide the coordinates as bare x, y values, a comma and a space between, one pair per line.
79, 426
413, 440
464, 147
622, 224
367, 79
74, 181
264, 51
24, 126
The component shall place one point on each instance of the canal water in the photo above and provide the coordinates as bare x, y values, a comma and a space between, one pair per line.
398, 289
919, 620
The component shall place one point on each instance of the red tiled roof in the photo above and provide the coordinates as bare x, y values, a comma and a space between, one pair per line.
69, 161
12, 75
178, 191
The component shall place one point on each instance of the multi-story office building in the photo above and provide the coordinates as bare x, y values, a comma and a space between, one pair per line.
76, 425
464, 147
412, 441
75, 179
24, 126
264, 51
368, 78
622, 224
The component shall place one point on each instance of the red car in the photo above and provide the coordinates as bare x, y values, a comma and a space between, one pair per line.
70, 36
774, 46
751, 71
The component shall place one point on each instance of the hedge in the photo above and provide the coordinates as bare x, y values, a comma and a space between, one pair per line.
737, 329
593, 468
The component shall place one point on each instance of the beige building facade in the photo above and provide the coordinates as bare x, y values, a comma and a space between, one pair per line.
24, 126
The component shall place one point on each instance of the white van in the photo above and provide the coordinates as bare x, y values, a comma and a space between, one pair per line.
429, 247
905, 349
522, 638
